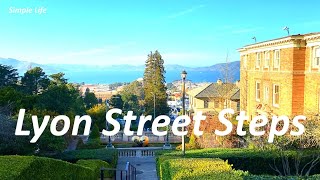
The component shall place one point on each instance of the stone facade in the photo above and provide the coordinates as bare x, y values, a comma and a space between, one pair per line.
290, 87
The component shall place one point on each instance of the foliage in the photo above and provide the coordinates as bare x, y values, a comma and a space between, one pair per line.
95, 165
90, 100
57, 98
255, 161
8, 76
108, 155
10, 143
133, 97
58, 79
116, 101
209, 139
98, 115
198, 169
34, 81
10, 98
30, 167
131, 103
154, 86
95, 133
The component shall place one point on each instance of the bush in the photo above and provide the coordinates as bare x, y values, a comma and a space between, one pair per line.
108, 155
95, 133
31, 167
91, 144
198, 169
96, 165
255, 161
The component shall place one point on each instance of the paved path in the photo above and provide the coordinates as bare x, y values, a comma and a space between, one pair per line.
146, 166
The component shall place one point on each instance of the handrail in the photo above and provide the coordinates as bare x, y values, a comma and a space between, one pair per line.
130, 172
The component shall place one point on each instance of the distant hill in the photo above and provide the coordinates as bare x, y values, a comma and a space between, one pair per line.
127, 73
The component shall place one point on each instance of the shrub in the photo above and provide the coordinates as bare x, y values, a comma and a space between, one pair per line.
96, 165
95, 133
198, 169
255, 161
31, 167
108, 155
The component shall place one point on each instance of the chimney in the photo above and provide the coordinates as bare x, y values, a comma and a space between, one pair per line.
219, 81
237, 83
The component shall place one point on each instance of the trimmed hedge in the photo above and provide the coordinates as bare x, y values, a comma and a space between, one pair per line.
31, 167
254, 161
108, 155
261, 177
96, 165
196, 169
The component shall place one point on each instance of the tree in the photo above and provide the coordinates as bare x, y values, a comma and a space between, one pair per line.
34, 81
11, 99
134, 88
154, 85
116, 101
60, 97
58, 79
89, 99
8, 76
57, 99
98, 115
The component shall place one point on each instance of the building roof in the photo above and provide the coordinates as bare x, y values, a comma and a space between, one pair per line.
197, 90
280, 40
236, 96
215, 90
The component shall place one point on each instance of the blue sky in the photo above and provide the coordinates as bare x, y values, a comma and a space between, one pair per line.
104, 32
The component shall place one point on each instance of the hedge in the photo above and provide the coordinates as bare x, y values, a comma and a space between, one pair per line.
96, 165
31, 167
264, 177
198, 169
254, 161
207, 168
108, 155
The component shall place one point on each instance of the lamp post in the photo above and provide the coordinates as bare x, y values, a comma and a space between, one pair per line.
167, 145
183, 77
109, 145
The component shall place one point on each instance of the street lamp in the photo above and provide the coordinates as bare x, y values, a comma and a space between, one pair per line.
183, 77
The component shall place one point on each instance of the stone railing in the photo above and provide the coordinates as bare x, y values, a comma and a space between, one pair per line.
121, 137
138, 152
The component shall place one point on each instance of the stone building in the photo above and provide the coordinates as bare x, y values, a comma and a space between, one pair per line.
281, 76
214, 97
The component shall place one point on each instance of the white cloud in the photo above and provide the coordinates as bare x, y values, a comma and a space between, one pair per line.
186, 11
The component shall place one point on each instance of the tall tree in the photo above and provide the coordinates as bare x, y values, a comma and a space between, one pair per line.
90, 99
8, 76
116, 101
154, 85
34, 81
58, 79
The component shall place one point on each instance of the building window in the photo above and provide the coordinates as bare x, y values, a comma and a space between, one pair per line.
258, 91
205, 104
216, 104
266, 94
276, 92
276, 59
316, 57
266, 59
258, 60
238, 106
245, 62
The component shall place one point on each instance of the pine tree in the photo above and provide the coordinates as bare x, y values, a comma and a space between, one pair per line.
154, 85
